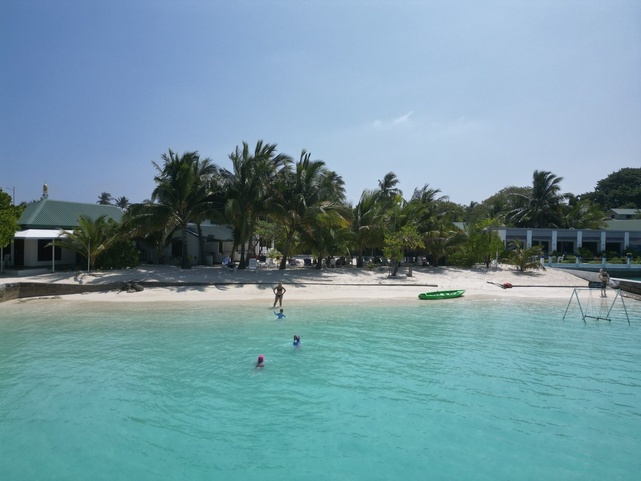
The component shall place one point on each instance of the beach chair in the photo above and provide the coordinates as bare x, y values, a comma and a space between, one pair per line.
229, 264
252, 264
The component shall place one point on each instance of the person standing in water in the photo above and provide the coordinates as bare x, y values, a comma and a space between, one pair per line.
279, 292
261, 361
281, 314
296, 340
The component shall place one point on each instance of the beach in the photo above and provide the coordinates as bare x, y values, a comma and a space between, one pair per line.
214, 283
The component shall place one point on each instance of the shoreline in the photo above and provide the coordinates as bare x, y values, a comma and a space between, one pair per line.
215, 284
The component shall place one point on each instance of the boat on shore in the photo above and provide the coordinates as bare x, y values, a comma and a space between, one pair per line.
435, 295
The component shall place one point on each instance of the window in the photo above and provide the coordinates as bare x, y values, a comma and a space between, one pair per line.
44, 252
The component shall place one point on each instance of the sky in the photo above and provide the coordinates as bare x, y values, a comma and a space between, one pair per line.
467, 96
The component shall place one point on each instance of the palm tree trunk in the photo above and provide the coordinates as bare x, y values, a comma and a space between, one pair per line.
185, 264
288, 243
201, 245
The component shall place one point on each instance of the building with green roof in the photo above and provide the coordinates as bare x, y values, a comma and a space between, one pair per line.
41, 223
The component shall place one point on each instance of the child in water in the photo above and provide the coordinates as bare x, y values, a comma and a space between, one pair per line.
296, 340
261, 361
280, 314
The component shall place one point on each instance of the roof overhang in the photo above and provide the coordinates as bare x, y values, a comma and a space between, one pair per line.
41, 234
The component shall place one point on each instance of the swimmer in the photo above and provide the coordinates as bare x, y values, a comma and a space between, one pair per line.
280, 314
296, 340
261, 361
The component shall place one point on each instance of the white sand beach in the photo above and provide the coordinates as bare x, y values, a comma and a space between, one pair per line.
206, 283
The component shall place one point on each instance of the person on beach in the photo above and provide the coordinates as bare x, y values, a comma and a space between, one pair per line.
604, 277
296, 340
261, 361
280, 314
279, 292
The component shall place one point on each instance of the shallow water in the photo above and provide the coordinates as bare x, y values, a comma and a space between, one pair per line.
461, 389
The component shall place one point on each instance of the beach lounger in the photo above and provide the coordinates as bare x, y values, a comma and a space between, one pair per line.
252, 264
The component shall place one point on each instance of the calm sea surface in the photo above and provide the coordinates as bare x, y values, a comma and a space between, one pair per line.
445, 390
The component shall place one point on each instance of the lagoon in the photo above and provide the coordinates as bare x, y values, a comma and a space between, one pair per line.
462, 389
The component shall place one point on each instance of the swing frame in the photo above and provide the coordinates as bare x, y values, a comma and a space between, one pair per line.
585, 314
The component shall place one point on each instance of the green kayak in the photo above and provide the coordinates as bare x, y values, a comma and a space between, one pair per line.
429, 296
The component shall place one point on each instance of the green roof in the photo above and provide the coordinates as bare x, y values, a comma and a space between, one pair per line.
632, 225
213, 232
57, 214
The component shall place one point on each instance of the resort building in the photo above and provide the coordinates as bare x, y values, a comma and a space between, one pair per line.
624, 214
218, 244
34, 251
616, 237
33, 247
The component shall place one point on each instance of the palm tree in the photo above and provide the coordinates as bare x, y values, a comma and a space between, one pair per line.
542, 207
328, 234
367, 223
247, 189
523, 258
91, 238
582, 214
122, 203
104, 198
387, 186
184, 193
304, 195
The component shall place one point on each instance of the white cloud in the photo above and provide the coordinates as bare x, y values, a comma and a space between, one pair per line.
387, 124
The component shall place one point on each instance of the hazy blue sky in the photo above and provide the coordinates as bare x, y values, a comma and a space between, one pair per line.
467, 96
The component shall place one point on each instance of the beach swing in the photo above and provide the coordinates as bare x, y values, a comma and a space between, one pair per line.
595, 308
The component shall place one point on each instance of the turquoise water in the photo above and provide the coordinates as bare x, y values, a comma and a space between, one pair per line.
452, 390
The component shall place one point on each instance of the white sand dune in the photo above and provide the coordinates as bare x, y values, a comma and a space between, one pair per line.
303, 284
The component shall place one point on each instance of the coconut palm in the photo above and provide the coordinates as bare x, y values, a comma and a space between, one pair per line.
247, 188
122, 203
582, 214
542, 207
367, 223
184, 193
304, 194
387, 186
328, 234
91, 238
104, 198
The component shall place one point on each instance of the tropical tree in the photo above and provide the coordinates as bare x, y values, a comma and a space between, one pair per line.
91, 238
104, 198
9, 216
619, 190
304, 196
427, 204
542, 207
482, 244
397, 242
122, 203
524, 258
367, 223
499, 205
442, 238
582, 213
328, 234
247, 189
388, 186
184, 193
